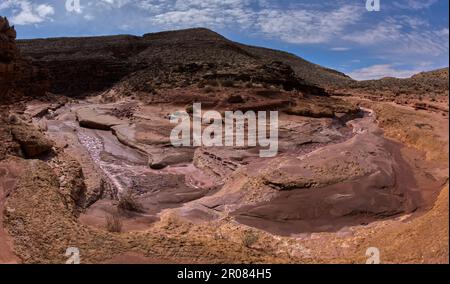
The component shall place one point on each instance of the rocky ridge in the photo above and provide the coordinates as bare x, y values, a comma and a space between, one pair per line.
426, 90
17, 76
178, 58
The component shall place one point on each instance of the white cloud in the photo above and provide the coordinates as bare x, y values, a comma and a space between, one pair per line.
45, 10
187, 18
116, 3
6, 5
340, 49
211, 4
26, 13
89, 17
151, 6
405, 36
380, 71
307, 26
385, 31
194, 13
298, 25
415, 4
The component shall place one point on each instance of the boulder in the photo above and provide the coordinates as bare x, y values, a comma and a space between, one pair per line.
71, 182
32, 142
91, 118
159, 162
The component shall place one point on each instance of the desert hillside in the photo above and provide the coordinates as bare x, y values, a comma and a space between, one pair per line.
426, 90
87, 159
426, 84
178, 57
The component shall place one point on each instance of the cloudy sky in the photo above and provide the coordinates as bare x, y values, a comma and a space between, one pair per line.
403, 38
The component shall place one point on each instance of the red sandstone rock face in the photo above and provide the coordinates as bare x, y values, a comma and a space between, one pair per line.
17, 76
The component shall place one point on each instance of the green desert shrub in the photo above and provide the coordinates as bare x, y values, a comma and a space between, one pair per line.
249, 238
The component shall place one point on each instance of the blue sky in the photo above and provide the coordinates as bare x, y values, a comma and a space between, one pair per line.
403, 38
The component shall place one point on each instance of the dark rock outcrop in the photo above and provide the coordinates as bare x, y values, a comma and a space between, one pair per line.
71, 182
8, 49
32, 142
318, 107
92, 118
168, 59
17, 76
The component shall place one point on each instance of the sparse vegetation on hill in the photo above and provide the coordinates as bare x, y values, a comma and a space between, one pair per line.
425, 83
168, 59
